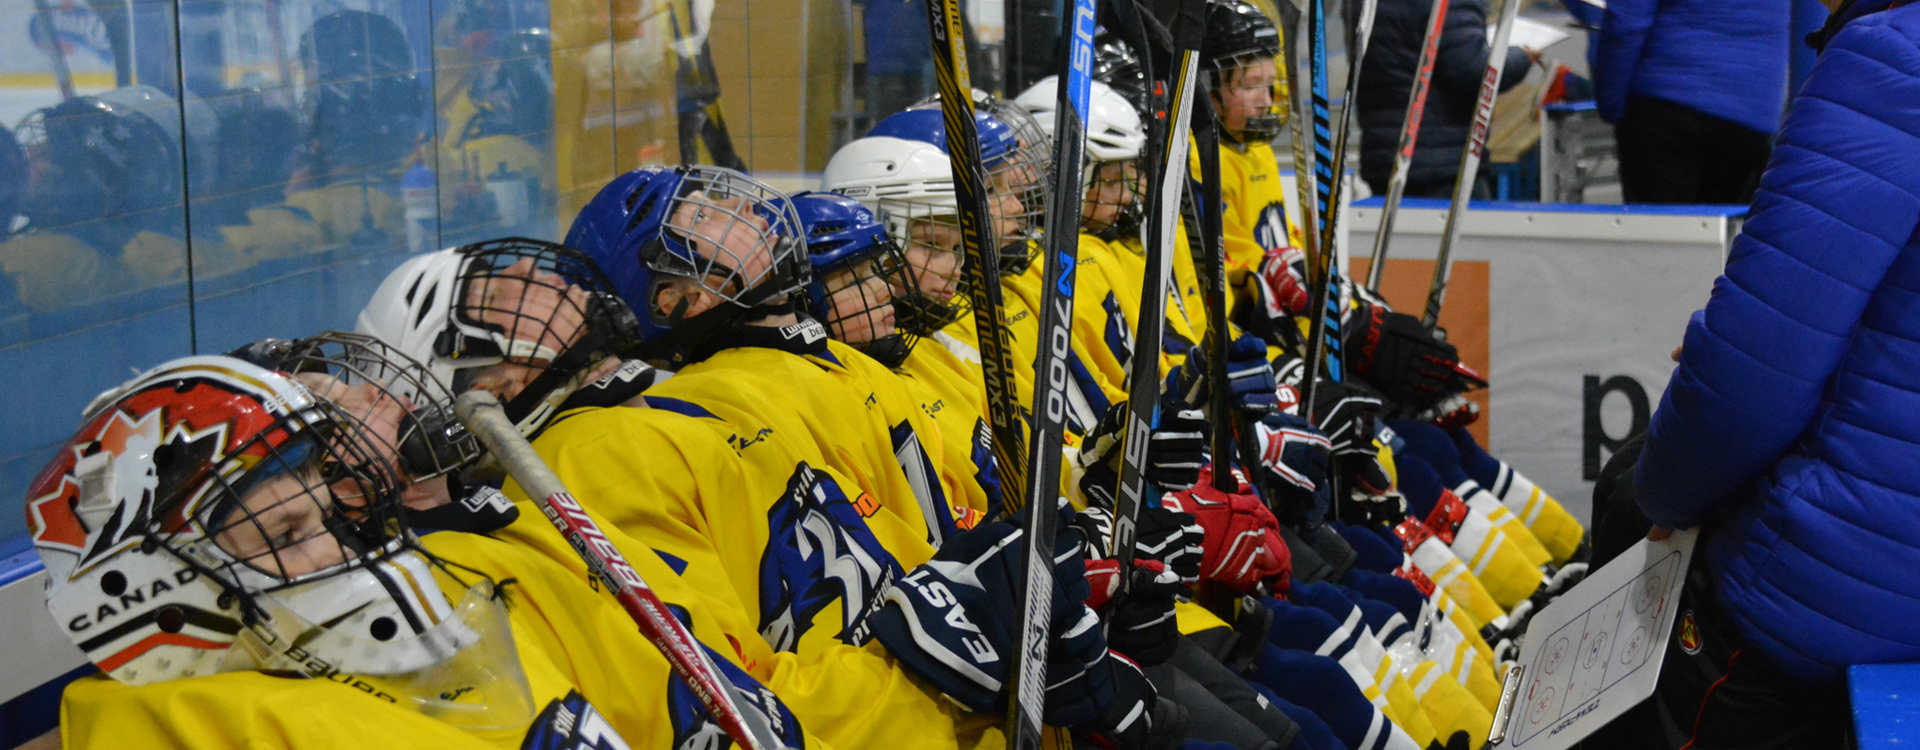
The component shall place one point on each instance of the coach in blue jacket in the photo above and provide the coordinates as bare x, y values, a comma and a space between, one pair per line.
1694, 90
1791, 429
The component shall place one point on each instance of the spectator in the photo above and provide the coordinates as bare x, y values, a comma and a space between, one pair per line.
1789, 430
1386, 76
1693, 88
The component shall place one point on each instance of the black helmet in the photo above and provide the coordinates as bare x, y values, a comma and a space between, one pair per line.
514, 86
365, 107
1239, 34
93, 159
1116, 65
1237, 30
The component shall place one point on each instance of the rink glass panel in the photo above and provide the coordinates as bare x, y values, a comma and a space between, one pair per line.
260, 165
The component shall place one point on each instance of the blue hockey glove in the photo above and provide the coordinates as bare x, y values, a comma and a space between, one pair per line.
1294, 459
1249, 377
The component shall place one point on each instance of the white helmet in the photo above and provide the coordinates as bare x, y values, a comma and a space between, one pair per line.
415, 311
1114, 132
884, 168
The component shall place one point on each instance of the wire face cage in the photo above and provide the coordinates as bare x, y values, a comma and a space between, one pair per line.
736, 236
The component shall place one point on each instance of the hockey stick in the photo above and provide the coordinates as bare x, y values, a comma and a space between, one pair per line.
1050, 374
1163, 206
1356, 52
56, 56
1409, 136
1323, 330
982, 255
1231, 435
1470, 161
483, 416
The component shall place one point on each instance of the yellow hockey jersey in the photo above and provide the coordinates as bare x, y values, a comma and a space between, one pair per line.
595, 682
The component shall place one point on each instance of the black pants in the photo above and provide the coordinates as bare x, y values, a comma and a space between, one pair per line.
1671, 153
1715, 691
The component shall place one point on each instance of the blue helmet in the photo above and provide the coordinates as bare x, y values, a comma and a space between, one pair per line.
1016, 171
848, 247
930, 126
734, 236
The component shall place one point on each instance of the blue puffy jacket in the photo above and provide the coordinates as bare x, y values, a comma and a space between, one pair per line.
1791, 428
1726, 58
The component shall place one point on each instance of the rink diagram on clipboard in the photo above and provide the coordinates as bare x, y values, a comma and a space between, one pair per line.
1595, 650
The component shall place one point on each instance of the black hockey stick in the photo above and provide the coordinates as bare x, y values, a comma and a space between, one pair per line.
1168, 159
982, 255
1470, 161
1231, 435
1409, 136
1051, 376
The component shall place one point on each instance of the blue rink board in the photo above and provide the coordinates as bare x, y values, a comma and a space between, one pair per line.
1886, 705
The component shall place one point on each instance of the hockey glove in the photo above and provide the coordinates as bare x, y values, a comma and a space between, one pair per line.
1279, 293
1139, 624
1175, 451
1346, 414
1170, 537
955, 620
1249, 378
1293, 463
1408, 362
1243, 548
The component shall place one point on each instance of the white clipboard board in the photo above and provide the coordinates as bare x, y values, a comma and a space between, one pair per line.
1595, 651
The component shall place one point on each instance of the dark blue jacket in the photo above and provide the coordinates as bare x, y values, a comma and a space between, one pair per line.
1791, 428
1386, 78
1726, 58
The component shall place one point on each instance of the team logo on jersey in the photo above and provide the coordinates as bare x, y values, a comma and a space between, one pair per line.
819, 550
571, 723
1689, 634
694, 727
1271, 230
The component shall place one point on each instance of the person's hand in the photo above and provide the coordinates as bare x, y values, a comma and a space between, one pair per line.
1658, 534
1676, 353
1533, 55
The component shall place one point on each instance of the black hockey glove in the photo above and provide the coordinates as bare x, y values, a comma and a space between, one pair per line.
1140, 623
1405, 360
1175, 452
1346, 413
1170, 537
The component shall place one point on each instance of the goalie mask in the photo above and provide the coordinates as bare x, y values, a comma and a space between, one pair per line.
214, 516
860, 276
909, 186
726, 233
524, 318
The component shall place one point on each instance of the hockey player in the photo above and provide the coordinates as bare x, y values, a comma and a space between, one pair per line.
662, 475
862, 281
709, 253
225, 529
1241, 53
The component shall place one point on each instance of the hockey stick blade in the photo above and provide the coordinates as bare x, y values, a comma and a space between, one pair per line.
977, 238
481, 413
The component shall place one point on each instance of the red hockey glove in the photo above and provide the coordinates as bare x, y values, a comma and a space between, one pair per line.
1243, 547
